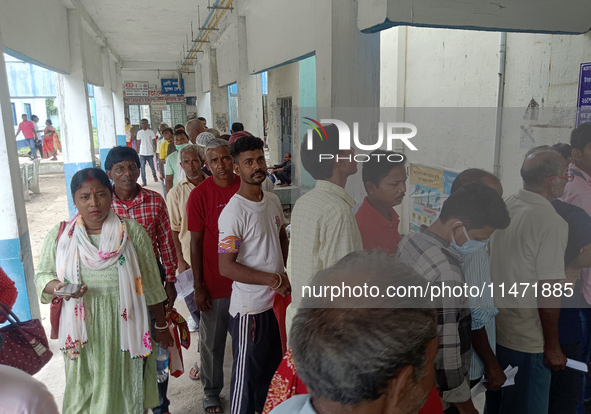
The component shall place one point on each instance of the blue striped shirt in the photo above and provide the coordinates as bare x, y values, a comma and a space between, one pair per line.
476, 269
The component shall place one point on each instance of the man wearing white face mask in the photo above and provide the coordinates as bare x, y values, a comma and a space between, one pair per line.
476, 269
174, 172
468, 217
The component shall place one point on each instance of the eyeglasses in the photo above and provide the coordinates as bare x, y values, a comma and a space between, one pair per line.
568, 177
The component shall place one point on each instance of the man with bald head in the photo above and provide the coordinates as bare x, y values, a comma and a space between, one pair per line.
193, 128
530, 252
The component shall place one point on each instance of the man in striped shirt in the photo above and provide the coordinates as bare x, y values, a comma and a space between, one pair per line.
476, 269
468, 217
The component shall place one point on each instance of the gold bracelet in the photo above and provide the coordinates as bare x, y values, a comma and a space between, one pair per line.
279, 282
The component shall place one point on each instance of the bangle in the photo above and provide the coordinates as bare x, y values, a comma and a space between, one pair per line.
279, 282
160, 328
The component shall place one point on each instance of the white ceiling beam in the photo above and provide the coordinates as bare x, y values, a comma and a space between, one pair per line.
164, 66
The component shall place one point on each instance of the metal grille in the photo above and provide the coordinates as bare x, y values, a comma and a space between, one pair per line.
137, 112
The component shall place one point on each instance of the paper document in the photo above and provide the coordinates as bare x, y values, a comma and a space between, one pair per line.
184, 284
510, 372
578, 365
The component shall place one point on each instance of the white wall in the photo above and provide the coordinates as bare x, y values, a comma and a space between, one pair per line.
282, 82
450, 93
279, 31
227, 56
42, 36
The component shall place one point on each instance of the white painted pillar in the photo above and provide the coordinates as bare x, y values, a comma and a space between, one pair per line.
105, 116
15, 246
202, 98
74, 109
219, 97
250, 104
118, 105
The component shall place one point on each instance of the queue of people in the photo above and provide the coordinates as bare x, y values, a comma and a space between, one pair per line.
126, 246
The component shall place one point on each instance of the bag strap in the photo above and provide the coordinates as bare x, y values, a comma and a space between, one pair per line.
8, 314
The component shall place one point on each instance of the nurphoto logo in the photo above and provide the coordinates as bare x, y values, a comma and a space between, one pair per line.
345, 138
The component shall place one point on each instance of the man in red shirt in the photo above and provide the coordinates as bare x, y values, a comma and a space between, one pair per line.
147, 207
385, 183
212, 290
28, 130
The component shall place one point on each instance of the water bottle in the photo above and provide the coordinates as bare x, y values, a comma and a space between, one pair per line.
162, 364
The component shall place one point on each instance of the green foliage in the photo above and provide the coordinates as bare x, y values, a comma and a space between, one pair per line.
24, 152
50, 108
95, 137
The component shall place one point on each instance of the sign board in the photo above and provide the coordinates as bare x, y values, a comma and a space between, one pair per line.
136, 88
159, 105
171, 86
584, 97
148, 99
429, 188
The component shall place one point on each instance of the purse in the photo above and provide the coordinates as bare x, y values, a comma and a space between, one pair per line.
23, 345
55, 308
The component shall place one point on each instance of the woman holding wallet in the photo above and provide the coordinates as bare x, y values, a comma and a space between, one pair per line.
104, 329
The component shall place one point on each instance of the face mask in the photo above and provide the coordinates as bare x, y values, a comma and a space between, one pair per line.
178, 147
470, 246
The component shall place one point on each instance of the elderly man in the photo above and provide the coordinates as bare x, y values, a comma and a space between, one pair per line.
363, 354
530, 251
193, 128
212, 290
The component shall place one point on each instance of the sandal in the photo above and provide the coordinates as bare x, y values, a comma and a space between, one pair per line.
212, 402
194, 372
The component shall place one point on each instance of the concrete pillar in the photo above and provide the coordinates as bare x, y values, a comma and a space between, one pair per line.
219, 97
203, 100
250, 104
15, 246
74, 109
119, 106
347, 71
105, 116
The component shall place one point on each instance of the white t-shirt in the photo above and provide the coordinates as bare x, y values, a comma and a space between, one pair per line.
147, 138
20, 393
251, 229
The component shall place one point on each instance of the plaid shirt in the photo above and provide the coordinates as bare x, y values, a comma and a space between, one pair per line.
438, 262
149, 209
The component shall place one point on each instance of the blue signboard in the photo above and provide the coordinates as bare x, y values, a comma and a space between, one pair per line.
171, 87
584, 98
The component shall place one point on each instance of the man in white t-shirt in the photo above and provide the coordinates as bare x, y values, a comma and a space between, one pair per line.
252, 251
146, 141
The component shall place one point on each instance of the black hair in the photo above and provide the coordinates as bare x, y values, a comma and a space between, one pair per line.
48, 121
563, 149
167, 130
245, 144
24, 115
127, 119
581, 136
289, 153
34, 116
177, 126
89, 174
120, 154
476, 205
320, 170
375, 169
471, 175
144, 119
237, 127
202, 119
182, 132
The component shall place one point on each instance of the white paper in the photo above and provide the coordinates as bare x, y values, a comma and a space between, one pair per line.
184, 284
510, 372
578, 365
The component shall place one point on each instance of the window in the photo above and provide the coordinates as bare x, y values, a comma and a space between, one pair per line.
14, 119
175, 113
137, 112
27, 110
233, 103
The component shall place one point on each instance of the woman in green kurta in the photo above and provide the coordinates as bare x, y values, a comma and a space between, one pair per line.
104, 329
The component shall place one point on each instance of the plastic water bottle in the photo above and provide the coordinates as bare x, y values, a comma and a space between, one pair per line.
162, 364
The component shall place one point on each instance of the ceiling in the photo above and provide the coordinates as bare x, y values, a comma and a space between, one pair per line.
147, 30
